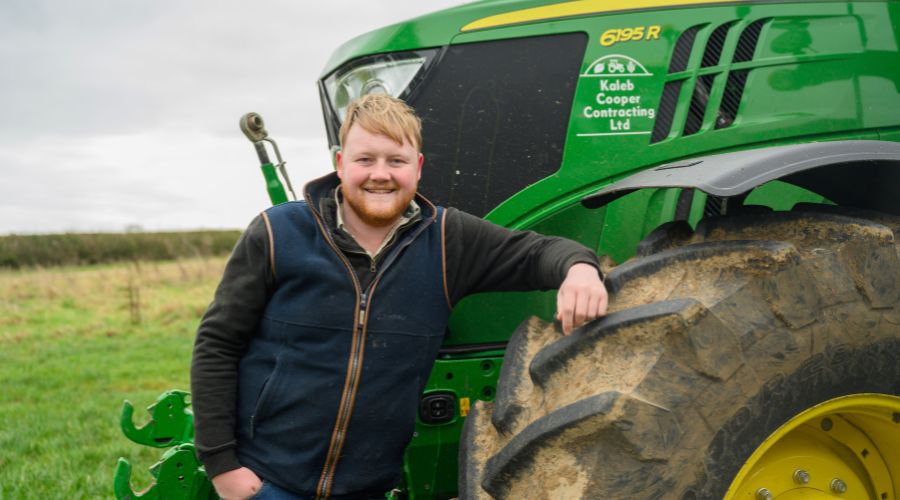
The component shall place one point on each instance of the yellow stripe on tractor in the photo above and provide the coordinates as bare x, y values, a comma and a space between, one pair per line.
578, 8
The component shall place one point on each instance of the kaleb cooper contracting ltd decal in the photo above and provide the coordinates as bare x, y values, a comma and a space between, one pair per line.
615, 103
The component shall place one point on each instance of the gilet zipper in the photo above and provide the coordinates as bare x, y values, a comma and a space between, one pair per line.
323, 490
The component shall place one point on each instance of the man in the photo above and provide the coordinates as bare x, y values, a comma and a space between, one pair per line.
309, 363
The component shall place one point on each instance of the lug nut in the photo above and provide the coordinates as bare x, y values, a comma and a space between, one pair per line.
838, 486
801, 476
764, 494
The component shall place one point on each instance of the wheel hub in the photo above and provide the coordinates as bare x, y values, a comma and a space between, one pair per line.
847, 447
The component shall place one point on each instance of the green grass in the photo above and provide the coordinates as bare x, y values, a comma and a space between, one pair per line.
76, 342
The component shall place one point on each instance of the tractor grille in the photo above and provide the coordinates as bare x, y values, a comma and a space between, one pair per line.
666, 111
494, 117
747, 44
731, 99
702, 81
714, 46
699, 101
682, 53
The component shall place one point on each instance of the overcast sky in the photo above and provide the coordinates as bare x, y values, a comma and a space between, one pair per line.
124, 113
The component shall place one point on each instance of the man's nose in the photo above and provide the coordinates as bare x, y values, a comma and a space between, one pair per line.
380, 171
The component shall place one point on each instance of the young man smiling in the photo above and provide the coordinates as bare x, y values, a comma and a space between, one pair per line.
378, 182
309, 362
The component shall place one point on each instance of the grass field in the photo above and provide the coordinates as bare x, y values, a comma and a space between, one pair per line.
74, 343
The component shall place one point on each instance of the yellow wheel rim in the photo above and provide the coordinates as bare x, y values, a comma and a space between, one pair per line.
847, 447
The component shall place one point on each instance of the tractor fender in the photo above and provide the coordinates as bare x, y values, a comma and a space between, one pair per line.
862, 173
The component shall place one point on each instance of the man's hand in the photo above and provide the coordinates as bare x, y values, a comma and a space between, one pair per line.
237, 484
581, 298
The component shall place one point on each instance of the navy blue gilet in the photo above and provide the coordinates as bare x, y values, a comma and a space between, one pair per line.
327, 404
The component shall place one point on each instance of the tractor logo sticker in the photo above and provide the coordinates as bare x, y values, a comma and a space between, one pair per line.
616, 65
616, 104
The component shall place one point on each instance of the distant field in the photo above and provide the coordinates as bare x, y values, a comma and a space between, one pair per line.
74, 343
73, 249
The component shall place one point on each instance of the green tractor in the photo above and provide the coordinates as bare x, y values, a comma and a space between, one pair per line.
736, 165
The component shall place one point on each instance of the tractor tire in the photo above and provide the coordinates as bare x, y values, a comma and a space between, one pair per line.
715, 337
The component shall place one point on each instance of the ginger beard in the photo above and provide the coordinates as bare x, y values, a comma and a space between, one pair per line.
378, 205
379, 176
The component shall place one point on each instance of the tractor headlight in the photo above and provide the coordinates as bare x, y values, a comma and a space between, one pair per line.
387, 74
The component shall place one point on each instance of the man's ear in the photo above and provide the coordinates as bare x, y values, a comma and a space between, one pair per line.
338, 164
421, 162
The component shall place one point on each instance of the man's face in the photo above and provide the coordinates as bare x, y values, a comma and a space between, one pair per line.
378, 176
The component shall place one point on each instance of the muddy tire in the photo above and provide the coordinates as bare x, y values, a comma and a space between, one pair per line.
715, 338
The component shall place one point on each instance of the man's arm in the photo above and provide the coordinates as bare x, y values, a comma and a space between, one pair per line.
222, 339
484, 257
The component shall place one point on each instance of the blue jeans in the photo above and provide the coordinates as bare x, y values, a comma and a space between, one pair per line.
269, 491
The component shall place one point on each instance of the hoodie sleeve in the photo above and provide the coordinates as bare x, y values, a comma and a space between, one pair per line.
222, 338
484, 257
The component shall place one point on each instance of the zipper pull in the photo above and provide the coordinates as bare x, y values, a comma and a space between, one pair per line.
362, 310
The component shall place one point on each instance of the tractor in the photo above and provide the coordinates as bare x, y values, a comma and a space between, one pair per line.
735, 165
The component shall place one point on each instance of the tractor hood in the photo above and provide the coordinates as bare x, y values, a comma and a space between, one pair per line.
439, 28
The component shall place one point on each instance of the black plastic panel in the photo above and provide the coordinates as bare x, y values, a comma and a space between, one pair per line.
746, 46
495, 116
731, 99
715, 206
714, 45
666, 111
699, 101
682, 53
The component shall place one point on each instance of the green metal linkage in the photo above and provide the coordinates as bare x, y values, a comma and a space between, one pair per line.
171, 422
273, 184
178, 476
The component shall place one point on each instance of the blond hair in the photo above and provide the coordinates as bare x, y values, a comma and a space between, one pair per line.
386, 115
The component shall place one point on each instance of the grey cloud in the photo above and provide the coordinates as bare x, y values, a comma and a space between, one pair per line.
89, 71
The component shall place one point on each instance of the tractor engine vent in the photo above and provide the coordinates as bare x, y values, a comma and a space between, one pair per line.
682, 53
666, 111
714, 45
747, 43
704, 80
702, 89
